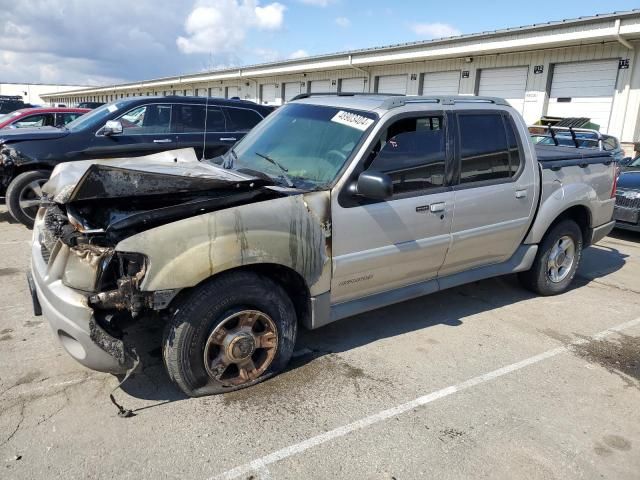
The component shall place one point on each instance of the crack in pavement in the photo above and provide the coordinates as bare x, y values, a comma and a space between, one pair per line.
15, 430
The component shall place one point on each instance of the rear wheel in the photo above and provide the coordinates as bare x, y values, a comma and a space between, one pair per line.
24, 194
230, 333
557, 260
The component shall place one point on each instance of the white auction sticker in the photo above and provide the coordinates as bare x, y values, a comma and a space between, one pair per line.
352, 120
112, 108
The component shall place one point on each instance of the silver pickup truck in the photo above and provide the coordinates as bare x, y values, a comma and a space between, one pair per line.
331, 207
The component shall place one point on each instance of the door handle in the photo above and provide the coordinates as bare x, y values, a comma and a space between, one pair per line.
436, 207
228, 139
521, 193
163, 140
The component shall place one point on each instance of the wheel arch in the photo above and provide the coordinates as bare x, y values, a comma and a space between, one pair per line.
547, 218
291, 281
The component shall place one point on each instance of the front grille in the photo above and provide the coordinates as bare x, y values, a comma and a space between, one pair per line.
623, 201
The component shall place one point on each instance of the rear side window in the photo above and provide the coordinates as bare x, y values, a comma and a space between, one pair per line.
412, 152
146, 120
32, 121
484, 151
242, 118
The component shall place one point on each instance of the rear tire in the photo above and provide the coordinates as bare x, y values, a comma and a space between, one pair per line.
557, 260
24, 194
229, 333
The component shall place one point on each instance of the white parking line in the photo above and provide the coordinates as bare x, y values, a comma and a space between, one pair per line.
260, 464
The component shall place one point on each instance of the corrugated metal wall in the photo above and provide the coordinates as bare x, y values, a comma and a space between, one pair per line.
624, 121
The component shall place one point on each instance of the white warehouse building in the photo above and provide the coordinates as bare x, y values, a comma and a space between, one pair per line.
33, 92
587, 67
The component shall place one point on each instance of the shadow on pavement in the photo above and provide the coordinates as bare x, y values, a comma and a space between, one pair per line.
450, 308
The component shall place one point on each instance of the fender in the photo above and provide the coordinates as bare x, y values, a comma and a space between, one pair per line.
292, 231
562, 198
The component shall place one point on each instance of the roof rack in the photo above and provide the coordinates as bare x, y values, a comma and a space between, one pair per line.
588, 135
443, 100
394, 100
344, 94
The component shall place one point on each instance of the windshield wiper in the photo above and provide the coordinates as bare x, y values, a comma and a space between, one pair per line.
283, 170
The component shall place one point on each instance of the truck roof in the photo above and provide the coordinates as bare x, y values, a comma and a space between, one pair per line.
385, 102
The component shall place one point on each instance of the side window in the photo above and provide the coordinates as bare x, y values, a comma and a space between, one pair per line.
412, 152
484, 152
215, 120
32, 121
242, 118
64, 118
189, 118
147, 119
515, 159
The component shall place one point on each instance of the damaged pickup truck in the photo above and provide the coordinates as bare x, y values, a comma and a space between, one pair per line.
331, 207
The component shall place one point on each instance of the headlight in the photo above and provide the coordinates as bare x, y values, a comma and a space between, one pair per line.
85, 266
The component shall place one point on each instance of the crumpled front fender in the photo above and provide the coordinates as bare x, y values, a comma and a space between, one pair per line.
292, 231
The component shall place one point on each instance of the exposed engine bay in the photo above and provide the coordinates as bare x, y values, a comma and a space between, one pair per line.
108, 204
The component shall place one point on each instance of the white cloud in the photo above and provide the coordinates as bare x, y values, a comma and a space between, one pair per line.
270, 17
317, 3
221, 25
59, 41
435, 30
343, 22
299, 54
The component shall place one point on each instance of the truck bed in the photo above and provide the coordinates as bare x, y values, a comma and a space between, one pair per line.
552, 156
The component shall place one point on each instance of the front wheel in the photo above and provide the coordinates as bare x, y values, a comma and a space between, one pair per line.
24, 195
229, 333
557, 260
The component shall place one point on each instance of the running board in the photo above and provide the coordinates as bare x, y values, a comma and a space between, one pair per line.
323, 313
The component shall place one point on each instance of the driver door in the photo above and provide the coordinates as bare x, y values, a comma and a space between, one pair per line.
146, 129
383, 245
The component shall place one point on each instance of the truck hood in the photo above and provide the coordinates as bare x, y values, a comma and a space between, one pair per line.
174, 171
10, 135
104, 201
629, 179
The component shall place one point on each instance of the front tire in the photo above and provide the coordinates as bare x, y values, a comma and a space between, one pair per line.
229, 333
557, 260
24, 194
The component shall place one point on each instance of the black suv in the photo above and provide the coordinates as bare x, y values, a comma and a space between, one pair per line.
124, 128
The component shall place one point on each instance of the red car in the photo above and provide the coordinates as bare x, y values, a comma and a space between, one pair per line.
40, 117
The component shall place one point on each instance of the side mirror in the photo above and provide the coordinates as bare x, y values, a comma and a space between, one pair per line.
375, 185
112, 127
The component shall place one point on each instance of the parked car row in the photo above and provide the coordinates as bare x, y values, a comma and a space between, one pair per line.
125, 128
40, 117
330, 207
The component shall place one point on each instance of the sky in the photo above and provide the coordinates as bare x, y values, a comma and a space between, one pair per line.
98, 42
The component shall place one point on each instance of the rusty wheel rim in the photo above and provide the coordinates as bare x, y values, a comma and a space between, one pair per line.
241, 348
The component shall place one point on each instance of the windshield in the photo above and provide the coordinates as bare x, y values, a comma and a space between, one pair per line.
94, 117
7, 116
635, 163
301, 145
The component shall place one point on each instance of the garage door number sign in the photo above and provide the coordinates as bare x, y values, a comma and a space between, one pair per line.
352, 120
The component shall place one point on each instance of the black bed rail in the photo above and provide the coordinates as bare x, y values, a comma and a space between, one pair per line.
578, 136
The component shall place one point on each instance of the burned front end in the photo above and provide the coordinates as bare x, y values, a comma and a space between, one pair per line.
89, 288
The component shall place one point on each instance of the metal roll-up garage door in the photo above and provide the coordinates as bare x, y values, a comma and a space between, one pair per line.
233, 92
291, 89
320, 86
584, 89
509, 83
441, 83
355, 85
268, 94
217, 92
392, 84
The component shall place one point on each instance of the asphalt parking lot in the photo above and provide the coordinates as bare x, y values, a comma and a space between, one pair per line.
482, 381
